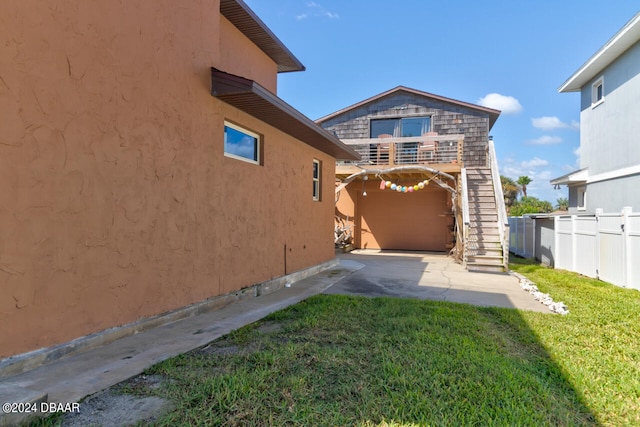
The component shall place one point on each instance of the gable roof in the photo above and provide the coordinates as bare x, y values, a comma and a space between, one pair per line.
253, 99
243, 18
616, 46
493, 114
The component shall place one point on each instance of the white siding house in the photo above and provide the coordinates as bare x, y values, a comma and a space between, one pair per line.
609, 83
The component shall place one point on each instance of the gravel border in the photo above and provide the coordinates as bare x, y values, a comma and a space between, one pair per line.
529, 286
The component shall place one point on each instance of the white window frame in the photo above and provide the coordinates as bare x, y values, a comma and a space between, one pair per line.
258, 143
581, 194
599, 83
316, 179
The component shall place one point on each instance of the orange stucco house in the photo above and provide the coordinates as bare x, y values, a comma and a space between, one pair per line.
147, 164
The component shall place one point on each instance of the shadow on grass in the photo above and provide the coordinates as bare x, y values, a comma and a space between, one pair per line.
345, 360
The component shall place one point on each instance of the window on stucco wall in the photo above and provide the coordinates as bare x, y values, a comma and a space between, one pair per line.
317, 168
241, 144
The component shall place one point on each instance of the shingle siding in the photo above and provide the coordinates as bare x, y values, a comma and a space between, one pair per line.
446, 119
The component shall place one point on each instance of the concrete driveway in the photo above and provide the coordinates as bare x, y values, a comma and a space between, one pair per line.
432, 276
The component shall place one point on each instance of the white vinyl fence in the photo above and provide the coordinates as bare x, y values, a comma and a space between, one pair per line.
604, 246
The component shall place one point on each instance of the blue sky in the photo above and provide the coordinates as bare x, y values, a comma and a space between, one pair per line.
506, 54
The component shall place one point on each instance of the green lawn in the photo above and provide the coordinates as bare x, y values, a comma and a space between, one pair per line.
337, 360
341, 361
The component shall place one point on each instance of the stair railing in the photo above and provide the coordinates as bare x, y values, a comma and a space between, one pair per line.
465, 216
503, 220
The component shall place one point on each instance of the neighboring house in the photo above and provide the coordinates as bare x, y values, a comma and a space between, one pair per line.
146, 164
407, 190
609, 86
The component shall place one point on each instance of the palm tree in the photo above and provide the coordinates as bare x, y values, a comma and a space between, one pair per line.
509, 190
562, 204
523, 181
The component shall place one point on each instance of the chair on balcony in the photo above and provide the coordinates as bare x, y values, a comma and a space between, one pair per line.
384, 148
427, 149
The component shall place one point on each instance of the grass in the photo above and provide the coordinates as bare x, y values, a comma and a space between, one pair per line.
339, 361
597, 345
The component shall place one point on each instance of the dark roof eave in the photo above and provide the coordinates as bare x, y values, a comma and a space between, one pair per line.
243, 18
253, 99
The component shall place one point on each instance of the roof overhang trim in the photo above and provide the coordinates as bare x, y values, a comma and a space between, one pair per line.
243, 18
493, 114
616, 46
573, 178
253, 99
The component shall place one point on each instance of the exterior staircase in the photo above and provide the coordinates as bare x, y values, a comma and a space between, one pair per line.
483, 248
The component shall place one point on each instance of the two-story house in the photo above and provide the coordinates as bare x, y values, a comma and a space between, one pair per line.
424, 180
147, 164
609, 86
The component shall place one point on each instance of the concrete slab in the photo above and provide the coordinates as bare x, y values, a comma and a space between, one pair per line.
432, 276
19, 403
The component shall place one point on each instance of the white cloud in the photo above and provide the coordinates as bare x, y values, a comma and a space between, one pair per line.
317, 10
552, 122
534, 163
546, 140
531, 168
506, 104
577, 152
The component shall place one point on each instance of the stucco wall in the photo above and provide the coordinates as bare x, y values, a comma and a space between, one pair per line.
386, 219
116, 201
244, 59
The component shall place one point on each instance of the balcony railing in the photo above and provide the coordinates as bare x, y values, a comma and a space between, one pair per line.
421, 150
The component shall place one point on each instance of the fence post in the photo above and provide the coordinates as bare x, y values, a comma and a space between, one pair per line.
626, 239
556, 243
599, 212
574, 244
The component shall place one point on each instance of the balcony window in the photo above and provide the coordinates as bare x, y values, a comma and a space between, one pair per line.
400, 127
406, 152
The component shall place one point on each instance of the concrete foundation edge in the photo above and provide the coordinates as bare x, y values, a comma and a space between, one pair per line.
17, 364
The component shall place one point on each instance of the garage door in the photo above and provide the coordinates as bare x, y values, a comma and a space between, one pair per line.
412, 221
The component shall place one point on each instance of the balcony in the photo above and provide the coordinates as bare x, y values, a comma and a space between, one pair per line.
443, 152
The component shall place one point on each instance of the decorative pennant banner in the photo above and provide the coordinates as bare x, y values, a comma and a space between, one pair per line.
403, 188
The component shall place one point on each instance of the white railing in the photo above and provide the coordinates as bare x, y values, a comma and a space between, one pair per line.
503, 222
465, 215
408, 150
604, 246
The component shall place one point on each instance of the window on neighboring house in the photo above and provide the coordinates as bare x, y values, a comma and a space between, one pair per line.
582, 198
400, 127
241, 144
597, 91
317, 167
